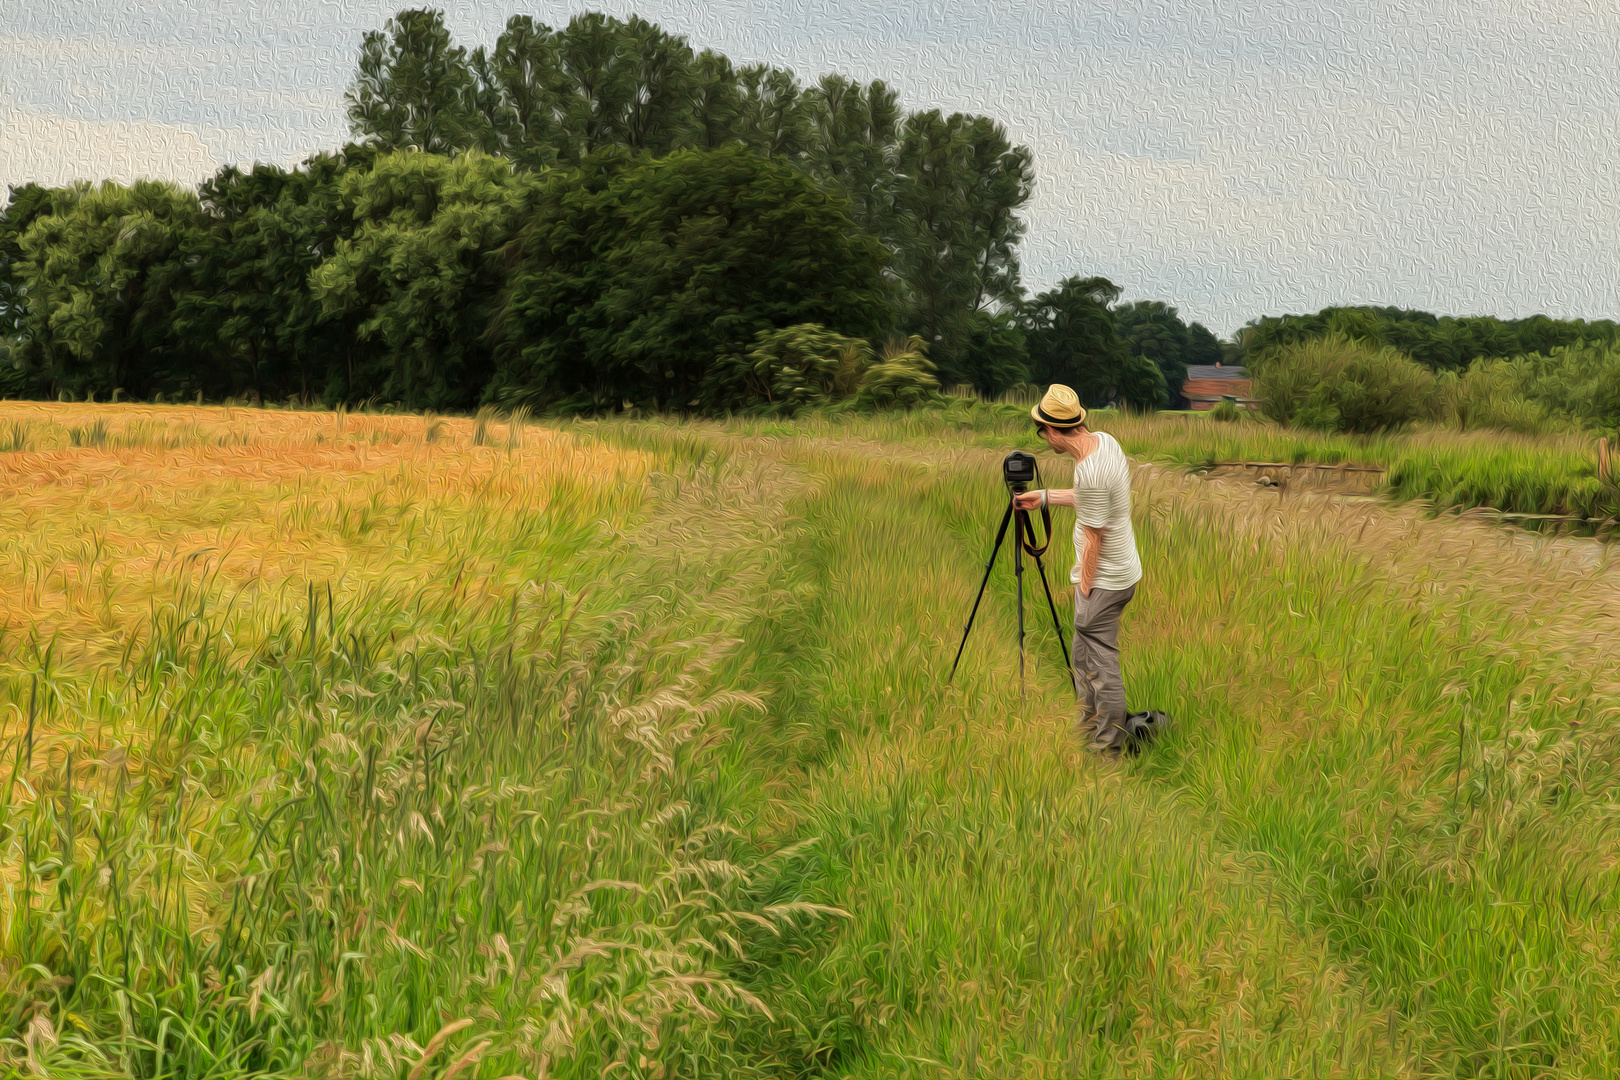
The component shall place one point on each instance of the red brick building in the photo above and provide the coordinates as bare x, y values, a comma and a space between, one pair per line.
1208, 385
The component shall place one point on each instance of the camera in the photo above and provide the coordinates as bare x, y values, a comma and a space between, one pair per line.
1018, 470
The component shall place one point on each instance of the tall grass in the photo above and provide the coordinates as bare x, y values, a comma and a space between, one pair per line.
1553, 474
294, 859
630, 752
1389, 806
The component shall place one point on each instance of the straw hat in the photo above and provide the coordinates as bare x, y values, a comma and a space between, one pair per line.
1060, 408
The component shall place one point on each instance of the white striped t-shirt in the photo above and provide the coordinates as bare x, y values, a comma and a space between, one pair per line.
1102, 500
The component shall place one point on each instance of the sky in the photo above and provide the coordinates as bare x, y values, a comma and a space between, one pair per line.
1235, 158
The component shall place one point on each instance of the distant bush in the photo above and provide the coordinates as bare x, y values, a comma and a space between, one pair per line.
1580, 383
1489, 395
1575, 387
902, 377
1439, 343
794, 368
1141, 383
808, 366
1226, 412
1336, 383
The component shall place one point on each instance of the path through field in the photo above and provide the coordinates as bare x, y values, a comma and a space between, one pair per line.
628, 745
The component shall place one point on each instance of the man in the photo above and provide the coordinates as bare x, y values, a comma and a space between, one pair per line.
1106, 567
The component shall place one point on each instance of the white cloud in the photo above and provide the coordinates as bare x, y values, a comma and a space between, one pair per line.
57, 150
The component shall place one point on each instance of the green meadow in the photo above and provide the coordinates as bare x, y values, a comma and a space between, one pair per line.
391, 746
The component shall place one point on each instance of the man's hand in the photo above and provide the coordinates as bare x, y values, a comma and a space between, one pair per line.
1029, 500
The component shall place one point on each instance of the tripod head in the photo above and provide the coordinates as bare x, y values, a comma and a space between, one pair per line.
1018, 470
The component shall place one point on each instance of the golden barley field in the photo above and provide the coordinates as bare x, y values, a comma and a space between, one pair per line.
372, 745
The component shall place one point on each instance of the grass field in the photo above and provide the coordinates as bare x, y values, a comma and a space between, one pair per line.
1555, 475
400, 747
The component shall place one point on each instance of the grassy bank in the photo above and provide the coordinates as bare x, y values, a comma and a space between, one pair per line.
1518, 474
627, 747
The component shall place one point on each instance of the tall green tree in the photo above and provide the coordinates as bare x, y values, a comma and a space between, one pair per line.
716, 102
421, 273
1141, 385
958, 188
1203, 347
773, 117
247, 280
1073, 340
233, 295
525, 70
854, 146
623, 83
24, 204
416, 89
943, 193
630, 277
996, 357
101, 271
1155, 331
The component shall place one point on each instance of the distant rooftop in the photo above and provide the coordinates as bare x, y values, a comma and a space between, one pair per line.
1215, 371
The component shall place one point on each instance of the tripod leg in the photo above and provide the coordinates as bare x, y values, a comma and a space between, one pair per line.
1056, 624
1001, 534
1018, 573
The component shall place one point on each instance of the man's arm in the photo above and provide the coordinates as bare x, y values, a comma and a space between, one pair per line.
1031, 500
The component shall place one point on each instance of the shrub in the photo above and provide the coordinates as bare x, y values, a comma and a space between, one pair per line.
1336, 383
903, 376
1141, 384
1572, 387
796, 367
1579, 382
1488, 395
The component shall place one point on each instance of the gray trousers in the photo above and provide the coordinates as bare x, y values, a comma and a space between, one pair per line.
1097, 681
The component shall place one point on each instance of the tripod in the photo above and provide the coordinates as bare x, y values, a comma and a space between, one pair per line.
1018, 470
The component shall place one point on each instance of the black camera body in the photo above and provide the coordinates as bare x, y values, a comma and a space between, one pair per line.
1018, 470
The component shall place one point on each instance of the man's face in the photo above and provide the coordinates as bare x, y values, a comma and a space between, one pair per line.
1045, 433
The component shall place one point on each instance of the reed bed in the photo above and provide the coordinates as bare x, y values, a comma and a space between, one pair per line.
624, 748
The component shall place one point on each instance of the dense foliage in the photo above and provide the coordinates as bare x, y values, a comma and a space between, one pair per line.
942, 192
436, 282
1153, 330
637, 282
1338, 383
1074, 338
1439, 343
576, 218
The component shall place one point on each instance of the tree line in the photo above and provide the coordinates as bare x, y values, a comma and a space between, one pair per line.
598, 216
1437, 342
581, 218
